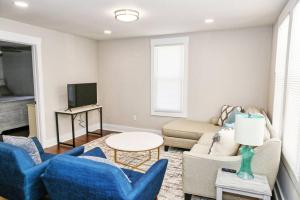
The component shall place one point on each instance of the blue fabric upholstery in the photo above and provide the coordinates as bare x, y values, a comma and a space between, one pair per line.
19, 176
75, 178
95, 152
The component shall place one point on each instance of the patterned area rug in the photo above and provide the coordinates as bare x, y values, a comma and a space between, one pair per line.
172, 185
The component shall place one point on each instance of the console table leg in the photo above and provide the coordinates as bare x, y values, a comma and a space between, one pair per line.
73, 131
101, 129
57, 128
87, 123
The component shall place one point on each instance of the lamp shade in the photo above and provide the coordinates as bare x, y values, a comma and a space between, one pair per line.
250, 129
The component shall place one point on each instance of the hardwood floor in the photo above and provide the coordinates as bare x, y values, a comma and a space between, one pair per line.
78, 141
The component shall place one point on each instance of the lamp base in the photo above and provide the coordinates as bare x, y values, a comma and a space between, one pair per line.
245, 171
245, 175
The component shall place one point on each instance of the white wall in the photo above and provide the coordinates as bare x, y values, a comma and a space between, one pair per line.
225, 67
66, 59
289, 186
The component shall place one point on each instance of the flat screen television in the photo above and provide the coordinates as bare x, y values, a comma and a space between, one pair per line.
82, 94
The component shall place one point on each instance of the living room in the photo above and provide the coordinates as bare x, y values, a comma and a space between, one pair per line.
158, 84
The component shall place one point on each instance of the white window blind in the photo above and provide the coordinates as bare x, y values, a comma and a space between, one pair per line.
291, 126
169, 72
280, 73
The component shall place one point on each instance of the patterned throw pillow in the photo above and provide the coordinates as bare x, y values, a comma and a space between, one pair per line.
105, 161
226, 110
25, 143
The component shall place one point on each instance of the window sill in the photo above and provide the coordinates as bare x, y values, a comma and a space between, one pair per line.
169, 114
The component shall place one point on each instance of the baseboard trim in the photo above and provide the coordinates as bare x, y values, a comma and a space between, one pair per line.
278, 192
122, 128
68, 136
110, 127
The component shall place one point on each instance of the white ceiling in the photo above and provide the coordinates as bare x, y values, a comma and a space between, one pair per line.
90, 17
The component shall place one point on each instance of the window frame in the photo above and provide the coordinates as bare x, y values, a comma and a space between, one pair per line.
169, 42
294, 174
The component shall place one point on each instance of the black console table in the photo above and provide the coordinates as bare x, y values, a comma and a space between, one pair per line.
73, 113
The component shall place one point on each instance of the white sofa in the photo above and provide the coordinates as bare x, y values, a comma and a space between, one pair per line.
200, 168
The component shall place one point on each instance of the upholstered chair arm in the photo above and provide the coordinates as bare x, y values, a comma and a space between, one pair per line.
75, 152
95, 152
38, 145
32, 178
148, 186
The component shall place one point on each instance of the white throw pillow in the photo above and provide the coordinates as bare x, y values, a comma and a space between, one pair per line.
106, 161
226, 145
25, 143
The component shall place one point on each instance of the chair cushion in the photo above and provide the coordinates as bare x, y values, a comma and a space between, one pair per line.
200, 149
188, 129
25, 143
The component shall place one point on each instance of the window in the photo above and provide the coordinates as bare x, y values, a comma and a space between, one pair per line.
169, 76
291, 126
280, 73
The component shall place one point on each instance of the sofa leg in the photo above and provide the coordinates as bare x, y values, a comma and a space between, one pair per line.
166, 148
187, 196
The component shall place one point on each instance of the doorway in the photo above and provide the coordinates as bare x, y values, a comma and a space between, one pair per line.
15, 45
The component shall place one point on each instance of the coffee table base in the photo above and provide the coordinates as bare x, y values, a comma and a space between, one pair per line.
137, 166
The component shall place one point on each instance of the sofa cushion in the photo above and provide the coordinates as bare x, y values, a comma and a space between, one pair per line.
226, 145
207, 138
188, 129
252, 110
200, 149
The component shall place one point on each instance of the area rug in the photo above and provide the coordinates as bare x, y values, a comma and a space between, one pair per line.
172, 185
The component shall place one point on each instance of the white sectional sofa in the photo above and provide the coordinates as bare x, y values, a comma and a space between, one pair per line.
200, 168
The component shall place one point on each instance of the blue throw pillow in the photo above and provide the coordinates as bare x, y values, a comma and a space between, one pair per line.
105, 161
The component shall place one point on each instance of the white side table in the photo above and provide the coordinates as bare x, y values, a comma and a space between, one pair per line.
231, 183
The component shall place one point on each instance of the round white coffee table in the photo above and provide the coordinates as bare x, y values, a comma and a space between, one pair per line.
134, 142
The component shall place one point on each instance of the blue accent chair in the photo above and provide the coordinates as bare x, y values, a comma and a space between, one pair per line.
76, 178
19, 176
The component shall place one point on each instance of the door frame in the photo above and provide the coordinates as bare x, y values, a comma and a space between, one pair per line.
35, 43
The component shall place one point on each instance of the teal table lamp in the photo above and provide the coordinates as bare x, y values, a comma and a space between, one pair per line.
249, 132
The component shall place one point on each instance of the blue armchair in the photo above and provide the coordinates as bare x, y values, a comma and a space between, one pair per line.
76, 178
19, 176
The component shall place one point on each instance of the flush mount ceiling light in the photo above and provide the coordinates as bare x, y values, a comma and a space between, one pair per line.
126, 15
107, 32
209, 21
21, 4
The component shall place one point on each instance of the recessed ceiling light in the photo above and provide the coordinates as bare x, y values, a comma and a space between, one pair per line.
21, 4
209, 21
126, 15
107, 32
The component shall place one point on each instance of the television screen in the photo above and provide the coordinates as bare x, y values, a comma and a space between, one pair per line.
82, 94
